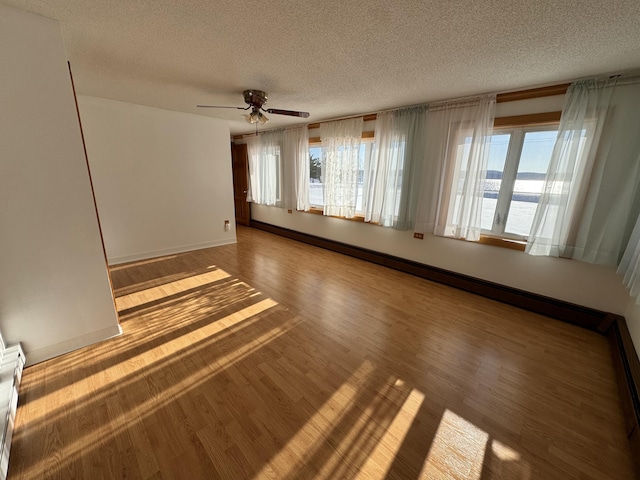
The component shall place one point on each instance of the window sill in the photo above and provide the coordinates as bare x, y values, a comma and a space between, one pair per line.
484, 239
319, 211
503, 242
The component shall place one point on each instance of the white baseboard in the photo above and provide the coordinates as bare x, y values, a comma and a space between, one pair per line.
169, 251
51, 351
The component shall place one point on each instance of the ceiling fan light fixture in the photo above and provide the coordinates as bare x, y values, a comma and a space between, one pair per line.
256, 116
256, 99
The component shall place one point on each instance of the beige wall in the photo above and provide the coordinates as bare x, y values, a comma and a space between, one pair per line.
162, 179
54, 289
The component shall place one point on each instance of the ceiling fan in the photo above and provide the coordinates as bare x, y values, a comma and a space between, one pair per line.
256, 100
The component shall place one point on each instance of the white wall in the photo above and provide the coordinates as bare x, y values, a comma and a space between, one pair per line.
569, 280
55, 294
162, 179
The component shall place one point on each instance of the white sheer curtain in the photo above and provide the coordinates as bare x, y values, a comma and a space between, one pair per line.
398, 151
630, 263
568, 175
612, 202
340, 154
295, 156
265, 169
458, 140
279, 168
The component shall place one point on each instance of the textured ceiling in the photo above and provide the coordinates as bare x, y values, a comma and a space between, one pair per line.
334, 57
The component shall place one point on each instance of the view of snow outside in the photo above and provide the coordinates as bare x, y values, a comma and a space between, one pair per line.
534, 160
316, 195
537, 148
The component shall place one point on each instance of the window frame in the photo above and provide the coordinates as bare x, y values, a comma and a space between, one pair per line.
279, 167
313, 208
517, 126
315, 142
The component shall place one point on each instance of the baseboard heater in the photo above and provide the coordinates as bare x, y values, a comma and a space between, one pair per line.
11, 364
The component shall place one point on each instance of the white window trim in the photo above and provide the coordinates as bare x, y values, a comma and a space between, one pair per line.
509, 174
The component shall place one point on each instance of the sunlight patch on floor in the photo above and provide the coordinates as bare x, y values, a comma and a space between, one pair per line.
166, 352
504, 453
317, 429
507, 463
457, 450
157, 293
380, 460
138, 263
121, 419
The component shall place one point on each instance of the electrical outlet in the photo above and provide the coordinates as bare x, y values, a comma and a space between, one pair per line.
227, 226
419, 236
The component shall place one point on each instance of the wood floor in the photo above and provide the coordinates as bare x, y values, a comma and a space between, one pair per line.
271, 359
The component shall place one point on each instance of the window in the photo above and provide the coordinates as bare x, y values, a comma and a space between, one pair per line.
316, 198
316, 192
516, 170
387, 181
265, 172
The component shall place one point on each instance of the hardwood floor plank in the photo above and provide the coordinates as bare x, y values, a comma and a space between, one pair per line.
274, 359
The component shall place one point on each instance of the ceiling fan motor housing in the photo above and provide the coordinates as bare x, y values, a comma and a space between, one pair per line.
255, 98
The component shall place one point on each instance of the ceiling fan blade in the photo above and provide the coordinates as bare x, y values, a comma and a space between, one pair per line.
291, 113
220, 106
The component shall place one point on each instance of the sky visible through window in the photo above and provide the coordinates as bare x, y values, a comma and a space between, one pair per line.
498, 151
536, 151
535, 156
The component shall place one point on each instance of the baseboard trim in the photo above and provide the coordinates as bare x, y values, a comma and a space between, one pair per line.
589, 318
627, 367
51, 351
168, 251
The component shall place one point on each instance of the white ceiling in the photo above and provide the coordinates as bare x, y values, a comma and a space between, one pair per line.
334, 58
